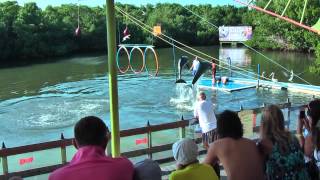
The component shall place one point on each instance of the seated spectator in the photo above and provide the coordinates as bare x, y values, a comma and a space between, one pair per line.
224, 80
310, 141
90, 161
185, 152
281, 151
239, 156
147, 170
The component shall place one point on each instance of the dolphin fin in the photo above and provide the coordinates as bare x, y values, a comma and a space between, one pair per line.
203, 67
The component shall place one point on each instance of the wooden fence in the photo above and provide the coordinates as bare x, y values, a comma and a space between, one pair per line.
149, 151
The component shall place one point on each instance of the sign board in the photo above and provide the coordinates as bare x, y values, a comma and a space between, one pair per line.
157, 30
235, 33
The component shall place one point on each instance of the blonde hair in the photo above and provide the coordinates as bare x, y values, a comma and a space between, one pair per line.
273, 128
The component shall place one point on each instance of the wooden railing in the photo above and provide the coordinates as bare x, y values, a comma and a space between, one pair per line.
150, 150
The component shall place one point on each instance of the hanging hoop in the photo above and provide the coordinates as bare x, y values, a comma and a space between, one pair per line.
128, 55
155, 57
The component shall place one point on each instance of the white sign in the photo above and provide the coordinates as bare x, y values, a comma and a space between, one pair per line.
235, 33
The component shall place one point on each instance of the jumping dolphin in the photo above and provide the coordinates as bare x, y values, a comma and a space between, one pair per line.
183, 61
203, 67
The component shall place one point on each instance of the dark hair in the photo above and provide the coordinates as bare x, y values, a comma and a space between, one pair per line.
203, 95
90, 130
314, 113
229, 125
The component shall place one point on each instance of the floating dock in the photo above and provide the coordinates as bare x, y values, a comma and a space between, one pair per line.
237, 84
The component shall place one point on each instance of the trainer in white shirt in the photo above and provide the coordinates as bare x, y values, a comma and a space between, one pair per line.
195, 66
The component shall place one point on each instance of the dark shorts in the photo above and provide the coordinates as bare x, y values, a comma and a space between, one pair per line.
210, 136
194, 72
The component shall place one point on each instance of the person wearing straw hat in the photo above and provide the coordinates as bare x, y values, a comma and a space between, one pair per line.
185, 152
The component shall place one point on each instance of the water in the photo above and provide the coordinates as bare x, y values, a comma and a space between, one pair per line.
39, 102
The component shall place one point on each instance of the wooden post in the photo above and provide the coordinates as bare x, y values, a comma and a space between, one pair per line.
149, 141
4, 162
63, 151
182, 130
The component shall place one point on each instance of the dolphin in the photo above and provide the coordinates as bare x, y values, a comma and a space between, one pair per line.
203, 67
183, 61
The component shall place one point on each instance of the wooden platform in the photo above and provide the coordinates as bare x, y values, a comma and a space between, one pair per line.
250, 83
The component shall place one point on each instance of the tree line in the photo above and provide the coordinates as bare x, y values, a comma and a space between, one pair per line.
29, 34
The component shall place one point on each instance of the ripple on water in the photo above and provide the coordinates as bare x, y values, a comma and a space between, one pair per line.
51, 112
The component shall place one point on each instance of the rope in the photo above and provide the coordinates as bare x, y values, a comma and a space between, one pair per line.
285, 9
304, 10
267, 5
273, 61
78, 13
277, 64
134, 20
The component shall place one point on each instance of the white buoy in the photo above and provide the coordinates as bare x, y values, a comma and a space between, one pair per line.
291, 76
272, 77
263, 75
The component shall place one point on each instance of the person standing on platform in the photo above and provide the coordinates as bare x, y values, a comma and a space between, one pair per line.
195, 66
214, 71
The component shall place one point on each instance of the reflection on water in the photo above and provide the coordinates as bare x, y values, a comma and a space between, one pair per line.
238, 56
39, 102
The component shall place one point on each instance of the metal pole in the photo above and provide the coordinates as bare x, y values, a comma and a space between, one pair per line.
174, 59
113, 84
258, 75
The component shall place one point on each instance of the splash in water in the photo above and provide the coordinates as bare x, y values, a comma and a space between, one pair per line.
185, 97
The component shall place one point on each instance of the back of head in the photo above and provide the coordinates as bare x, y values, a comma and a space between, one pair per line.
229, 125
91, 130
185, 151
314, 113
272, 126
147, 170
202, 95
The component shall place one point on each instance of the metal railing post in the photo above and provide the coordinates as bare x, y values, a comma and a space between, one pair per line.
149, 141
4, 162
182, 130
289, 107
63, 150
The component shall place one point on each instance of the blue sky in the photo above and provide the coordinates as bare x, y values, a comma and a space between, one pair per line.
44, 3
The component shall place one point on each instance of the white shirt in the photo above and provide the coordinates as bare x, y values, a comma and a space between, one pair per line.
207, 119
195, 65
